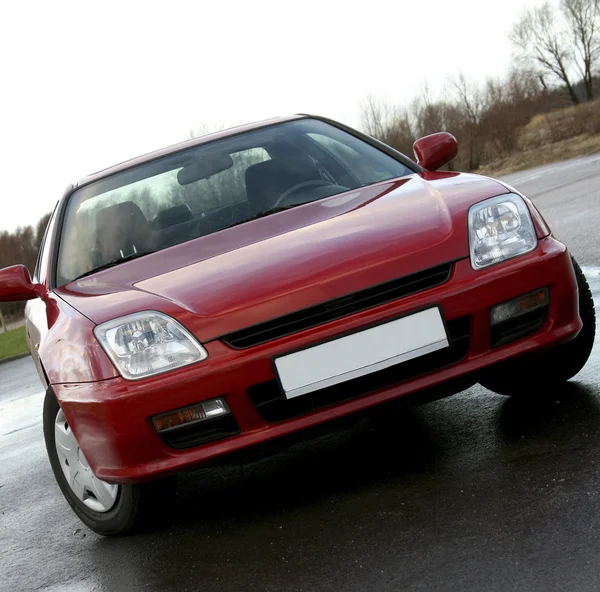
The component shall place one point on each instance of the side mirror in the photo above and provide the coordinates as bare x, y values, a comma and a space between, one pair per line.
15, 284
435, 150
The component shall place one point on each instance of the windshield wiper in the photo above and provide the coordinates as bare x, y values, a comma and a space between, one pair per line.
115, 262
263, 214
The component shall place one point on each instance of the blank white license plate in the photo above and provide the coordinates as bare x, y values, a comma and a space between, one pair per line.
361, 353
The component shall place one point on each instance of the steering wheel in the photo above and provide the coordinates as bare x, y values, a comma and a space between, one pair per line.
294, 188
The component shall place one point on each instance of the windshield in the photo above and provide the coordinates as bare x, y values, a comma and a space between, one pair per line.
211, 187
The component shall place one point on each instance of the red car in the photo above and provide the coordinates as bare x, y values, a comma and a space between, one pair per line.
242, 287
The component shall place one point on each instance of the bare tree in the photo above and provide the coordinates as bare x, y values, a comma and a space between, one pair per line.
583, 21
525, 85
387, 123
377, 116
539, 39
469, 96
471, 100
428, 113
509, 105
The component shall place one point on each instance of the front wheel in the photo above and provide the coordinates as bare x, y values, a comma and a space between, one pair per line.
538, 373
108, 509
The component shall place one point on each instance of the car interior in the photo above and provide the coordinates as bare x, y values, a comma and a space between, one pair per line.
289, 176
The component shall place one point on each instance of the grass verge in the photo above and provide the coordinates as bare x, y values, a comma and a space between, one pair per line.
13, 343
583, 145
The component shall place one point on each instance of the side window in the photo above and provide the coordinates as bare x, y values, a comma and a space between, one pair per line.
41, 266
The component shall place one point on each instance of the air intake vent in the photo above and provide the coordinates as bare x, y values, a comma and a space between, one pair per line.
338, 308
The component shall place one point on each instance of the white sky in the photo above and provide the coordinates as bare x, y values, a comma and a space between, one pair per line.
87, 84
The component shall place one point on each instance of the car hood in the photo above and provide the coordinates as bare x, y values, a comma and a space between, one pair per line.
297, 258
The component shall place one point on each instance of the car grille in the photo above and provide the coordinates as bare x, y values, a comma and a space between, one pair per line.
338, 308
271, 405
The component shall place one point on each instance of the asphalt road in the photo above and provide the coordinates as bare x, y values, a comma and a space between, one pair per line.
476, 492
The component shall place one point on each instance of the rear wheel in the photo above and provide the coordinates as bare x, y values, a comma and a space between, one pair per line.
540, 373
108, 509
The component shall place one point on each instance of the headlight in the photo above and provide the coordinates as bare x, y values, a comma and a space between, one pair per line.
499, 229
147, 343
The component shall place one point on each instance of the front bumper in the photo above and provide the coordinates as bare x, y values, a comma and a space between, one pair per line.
112, 418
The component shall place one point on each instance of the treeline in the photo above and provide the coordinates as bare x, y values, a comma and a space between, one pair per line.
486, 119
20, 247
556, 52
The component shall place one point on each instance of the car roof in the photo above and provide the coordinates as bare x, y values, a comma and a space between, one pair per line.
138, 160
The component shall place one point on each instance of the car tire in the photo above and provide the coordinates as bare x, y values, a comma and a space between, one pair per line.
135, 506
540, 373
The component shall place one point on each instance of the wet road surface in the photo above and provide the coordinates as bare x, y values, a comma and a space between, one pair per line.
475, 492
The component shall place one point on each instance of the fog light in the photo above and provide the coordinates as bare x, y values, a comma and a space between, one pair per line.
191, 415
519, 306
